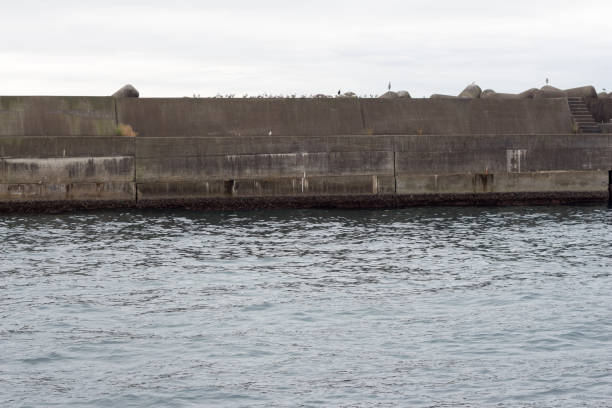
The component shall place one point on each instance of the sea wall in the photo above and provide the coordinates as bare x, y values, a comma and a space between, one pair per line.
65, 152
57, 116
344, 116
601, 108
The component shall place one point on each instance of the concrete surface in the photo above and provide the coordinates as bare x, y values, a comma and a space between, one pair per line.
57, 116
241, 117
466, 116
61, 153
600, 108
69, 169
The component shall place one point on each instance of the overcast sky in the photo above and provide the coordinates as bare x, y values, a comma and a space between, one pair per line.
178, 48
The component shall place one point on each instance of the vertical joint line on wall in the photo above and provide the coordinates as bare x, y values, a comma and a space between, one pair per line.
394, 169
363, 123
610, 186
116, 114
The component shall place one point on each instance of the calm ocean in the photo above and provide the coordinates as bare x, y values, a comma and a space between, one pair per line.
424, 307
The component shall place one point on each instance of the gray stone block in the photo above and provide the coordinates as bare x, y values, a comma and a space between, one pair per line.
581, 92
403, 94
528, 94
472, 91
127, 91
389, 95
441, 96
549, 92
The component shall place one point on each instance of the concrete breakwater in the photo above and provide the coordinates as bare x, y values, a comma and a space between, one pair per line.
66, 152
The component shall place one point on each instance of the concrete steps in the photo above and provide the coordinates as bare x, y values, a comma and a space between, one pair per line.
582, 116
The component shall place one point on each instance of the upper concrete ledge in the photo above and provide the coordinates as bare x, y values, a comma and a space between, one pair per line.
205, 117
166, 117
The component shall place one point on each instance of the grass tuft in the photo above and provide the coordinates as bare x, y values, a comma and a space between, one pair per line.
125, 130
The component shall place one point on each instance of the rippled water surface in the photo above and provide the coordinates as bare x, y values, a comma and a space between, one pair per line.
418, 307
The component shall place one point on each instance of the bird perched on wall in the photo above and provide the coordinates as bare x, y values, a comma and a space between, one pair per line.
338, 92
547, 81
389, 86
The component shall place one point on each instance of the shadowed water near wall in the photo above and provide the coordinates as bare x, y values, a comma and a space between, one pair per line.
64, 152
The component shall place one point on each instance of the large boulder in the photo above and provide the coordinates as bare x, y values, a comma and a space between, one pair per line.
472, 91
128, 91
348, 95
403, 94
548, 92
494, 95
528, 94
389, 95
582, 92
440, 96
487, 93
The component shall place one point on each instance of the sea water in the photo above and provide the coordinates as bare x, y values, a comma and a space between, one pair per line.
422, 307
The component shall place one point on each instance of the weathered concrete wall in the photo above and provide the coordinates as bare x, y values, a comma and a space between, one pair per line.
53, 195
601, 108
57, 116
264, 166
54, 170
57, 151
66, 146
64, 179
466, 116
370, 165
532, 182
499, 154
352, 116
219, 153
241, 117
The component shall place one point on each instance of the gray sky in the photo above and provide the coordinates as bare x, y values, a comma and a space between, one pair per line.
181, 47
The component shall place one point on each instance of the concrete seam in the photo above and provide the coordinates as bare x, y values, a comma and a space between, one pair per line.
168, 156
394, 167
363, 123
135, 181
116, 112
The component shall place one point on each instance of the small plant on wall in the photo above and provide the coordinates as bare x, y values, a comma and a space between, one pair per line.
125, 130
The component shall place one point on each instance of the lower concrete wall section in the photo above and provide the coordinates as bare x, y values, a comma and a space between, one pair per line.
269, 187
53, 182
353, 171
265, 165
544, 182
66, 146
499, 154
380, 191
68, 169
50, 192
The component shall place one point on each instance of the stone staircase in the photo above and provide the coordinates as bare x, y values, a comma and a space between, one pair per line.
582, 117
